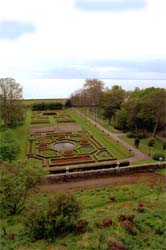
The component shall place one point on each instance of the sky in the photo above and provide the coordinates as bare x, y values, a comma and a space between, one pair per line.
51, 46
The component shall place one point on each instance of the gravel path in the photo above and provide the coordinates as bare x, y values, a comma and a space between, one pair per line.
138, 155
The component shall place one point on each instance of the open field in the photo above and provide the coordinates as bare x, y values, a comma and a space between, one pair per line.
36, 101
145, 229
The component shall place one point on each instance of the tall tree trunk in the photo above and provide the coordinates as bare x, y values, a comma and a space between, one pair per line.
155, 128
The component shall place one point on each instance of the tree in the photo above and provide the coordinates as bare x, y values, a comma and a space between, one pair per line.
121, 119
55, 215
68, 103
17, 181
147, 109
93, 89
11, 108
9, 147
112, 101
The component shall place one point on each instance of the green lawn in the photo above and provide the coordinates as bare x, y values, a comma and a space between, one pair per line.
162, 171
22, 133
143, 146
116, 149
148, 227
100, 120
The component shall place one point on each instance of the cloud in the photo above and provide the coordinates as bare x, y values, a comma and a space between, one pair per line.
12, 29
153, 65
110, 5
118, 69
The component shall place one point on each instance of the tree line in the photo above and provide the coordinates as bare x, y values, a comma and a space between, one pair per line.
138, 110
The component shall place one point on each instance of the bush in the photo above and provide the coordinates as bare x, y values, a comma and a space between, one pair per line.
157, 156
136, 142
17, 182
58, 214
151, 142
9, 146
164, 145
131, 135
134, 134
47, 106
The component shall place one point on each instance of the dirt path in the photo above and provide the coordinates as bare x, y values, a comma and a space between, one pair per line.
138, 178
137, 154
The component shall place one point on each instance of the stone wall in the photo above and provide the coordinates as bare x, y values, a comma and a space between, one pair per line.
104, 172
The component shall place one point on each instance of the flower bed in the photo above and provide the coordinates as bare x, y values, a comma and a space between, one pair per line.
85, 158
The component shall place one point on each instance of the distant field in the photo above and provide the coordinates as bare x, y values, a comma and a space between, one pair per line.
34, 101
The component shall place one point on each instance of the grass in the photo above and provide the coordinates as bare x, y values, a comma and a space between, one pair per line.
116, 149
148, 227
22, 134
143, 146
100, 120
162, 171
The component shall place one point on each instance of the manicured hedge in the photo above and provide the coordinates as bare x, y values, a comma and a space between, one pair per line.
47, 106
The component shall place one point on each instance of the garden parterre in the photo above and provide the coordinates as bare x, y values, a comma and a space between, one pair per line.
85, 149
50, 117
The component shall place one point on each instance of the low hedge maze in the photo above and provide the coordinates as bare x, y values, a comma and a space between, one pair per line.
85, 149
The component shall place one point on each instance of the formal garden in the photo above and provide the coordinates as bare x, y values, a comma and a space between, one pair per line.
50, 118
63, 144
106, 213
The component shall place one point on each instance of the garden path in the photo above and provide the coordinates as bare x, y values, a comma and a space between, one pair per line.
138, 155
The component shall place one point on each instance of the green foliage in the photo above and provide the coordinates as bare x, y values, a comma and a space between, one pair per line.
9, 147
47, 106
158, 189
121, 119
68, 103
164, 145
157, 156
57, 215
151, 142
146, 109
11, 106
17, 180
136, 142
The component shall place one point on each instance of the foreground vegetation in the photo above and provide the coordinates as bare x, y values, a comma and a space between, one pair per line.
114, 217
132, 215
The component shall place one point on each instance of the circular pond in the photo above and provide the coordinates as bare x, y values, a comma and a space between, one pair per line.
63, 146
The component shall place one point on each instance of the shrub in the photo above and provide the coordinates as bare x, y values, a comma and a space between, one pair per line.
58, 214
157, 156
9, 146
82, 226
129, 217
17, 182
107, 222
124, 163
115, 245
136, 142
151, 142
164, 145
131, 135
